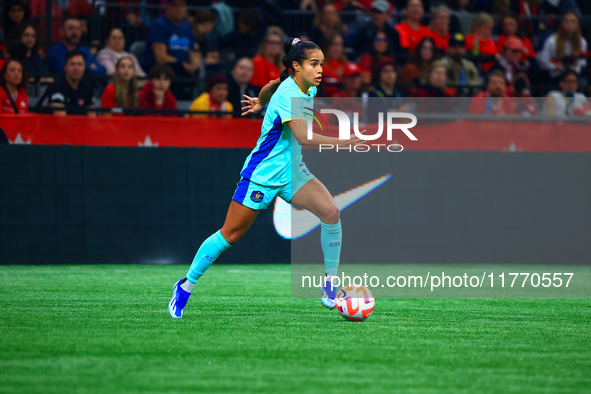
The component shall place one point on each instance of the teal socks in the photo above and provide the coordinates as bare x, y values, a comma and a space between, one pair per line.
208, 252
330, 240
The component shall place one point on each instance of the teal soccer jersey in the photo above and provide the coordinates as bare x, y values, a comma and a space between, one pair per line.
269, 163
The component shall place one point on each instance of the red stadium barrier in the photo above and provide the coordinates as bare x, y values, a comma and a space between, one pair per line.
243, 133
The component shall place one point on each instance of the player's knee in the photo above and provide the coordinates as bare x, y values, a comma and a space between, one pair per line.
332, 215
233, 236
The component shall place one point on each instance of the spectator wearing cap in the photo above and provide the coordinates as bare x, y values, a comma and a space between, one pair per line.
510, 27
352, 81
460, 71
479, 41
71, 33
156, 92
171, 41
267, 63
380, 49
494, 100
440, 27
380, 13
385, 78
418, 65
215, 99
567, 101
509, 61
334, 63
239, 84
13, 84
411, 31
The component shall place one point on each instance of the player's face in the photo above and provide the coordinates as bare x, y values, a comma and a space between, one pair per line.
219, 93
311, 69
126, 69
14, 73
117, 40
75, 67
569, 83
161, 84
29, 37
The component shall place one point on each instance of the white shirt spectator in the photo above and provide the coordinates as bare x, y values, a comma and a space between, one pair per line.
548, 53
568, 106
108, 57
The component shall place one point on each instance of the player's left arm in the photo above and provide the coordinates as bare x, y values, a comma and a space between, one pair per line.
300, 132
255, 104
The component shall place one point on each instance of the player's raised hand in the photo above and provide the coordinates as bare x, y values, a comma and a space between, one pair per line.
253, 105
353, 140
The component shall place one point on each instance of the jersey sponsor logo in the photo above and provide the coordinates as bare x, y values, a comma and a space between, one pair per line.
177, 43
58, 97
257, 196
291, 223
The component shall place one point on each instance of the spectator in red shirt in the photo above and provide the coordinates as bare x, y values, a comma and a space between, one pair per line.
440, 26
123, 91
411, 31
267, 64
334, 63
434, 84
493, 101
156, 94
379, 50
479, 41
418, 65
510, 27
13, 94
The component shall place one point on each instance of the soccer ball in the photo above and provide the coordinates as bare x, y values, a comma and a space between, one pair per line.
355, 302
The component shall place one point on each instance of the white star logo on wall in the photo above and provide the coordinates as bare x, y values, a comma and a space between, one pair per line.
148, 142
512, 148
18, 140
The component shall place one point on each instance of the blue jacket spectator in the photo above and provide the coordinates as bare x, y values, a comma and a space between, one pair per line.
71, 33
171, 41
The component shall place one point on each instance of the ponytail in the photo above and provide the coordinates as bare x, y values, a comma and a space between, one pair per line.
295, 51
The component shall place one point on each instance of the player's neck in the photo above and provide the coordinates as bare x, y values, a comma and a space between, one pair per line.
302, 85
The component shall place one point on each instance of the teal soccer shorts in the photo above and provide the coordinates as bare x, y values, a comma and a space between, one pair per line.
256, 196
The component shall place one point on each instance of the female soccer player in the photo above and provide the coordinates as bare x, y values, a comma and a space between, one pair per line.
267, 172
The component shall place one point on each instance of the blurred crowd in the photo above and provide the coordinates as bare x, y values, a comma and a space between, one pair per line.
155, 57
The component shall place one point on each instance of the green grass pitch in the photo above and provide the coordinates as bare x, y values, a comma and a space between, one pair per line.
106, 329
